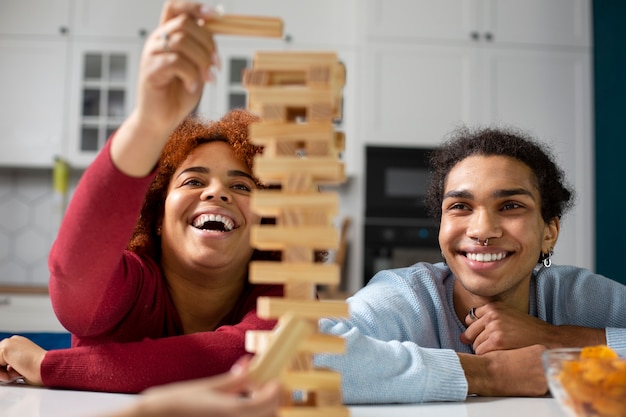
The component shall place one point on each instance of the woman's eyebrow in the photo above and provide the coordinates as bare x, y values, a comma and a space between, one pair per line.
205, 170
239, 173
198, 169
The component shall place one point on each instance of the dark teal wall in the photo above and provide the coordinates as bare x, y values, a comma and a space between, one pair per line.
609, 33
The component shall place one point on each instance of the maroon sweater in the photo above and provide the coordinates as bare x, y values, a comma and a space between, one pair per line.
126, 332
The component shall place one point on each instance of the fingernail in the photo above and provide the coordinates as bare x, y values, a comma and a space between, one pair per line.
236, 369
207, 10
210, 77
193, 87
217, 60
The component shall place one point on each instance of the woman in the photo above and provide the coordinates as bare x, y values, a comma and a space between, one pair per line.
175, 304
478, 322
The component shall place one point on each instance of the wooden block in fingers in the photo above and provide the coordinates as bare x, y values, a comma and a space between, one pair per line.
283, 345
242, 25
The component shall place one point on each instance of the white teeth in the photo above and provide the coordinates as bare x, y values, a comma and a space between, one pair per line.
485, 257
203, 218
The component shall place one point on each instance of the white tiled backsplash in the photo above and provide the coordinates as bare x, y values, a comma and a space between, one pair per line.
30, 214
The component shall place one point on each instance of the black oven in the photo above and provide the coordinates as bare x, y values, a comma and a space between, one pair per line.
398, 229
396, 180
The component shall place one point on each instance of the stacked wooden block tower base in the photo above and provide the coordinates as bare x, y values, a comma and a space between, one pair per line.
297, 95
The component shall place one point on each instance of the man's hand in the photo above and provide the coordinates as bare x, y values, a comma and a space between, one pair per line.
503, 373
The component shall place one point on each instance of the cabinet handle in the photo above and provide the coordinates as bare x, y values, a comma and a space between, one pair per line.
488, 36
288, 38
63, 30
474, 35
142, 33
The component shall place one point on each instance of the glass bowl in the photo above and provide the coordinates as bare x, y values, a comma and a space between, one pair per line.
587, 386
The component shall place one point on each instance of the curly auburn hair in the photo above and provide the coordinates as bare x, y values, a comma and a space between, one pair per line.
556, 195
191, 133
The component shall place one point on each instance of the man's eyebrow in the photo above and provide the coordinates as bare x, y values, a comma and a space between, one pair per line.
496, 194
459, 194
512, 192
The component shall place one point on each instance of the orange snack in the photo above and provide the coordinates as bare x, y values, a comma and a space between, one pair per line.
596, 383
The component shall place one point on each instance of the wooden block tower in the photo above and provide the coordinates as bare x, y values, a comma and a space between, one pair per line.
297, 95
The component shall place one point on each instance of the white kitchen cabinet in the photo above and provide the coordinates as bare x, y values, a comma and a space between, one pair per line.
33, 81
103, 75
33, 101
116, 18
530, 22
34, 17
108, 38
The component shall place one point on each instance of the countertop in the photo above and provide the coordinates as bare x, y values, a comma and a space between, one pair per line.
18, 400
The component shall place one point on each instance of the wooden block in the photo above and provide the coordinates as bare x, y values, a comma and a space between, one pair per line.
269, 111
243, 25
275, 307
323, 343
288, 96
271, 237
267, 272
272, 202
258, 341
300, 291
290, 60
297, 411
327, 398
298, 182
283, 345
322, 170
313, 380
264, 130
253, 77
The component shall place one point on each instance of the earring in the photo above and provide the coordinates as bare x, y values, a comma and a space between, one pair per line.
547, 258
158, 231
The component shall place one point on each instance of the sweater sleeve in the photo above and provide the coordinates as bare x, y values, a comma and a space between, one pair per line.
394, 351
86, 261
135, 366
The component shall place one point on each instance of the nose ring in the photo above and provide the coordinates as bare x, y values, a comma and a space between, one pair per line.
483, 243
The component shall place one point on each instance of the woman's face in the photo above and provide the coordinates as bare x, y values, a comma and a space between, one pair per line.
207, 217
494, 198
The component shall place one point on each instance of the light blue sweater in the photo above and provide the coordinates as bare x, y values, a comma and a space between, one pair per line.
403, 333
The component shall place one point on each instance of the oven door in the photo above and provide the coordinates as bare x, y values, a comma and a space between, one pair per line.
397, 243
396, 182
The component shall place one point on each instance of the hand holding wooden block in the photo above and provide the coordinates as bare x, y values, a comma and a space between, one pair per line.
246, 26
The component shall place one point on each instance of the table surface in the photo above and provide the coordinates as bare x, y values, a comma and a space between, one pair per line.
19, 400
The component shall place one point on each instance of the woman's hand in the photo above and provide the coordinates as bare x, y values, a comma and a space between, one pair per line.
20, 358
227, 395
177, 60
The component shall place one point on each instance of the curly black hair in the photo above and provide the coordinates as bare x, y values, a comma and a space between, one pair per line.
557, 197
